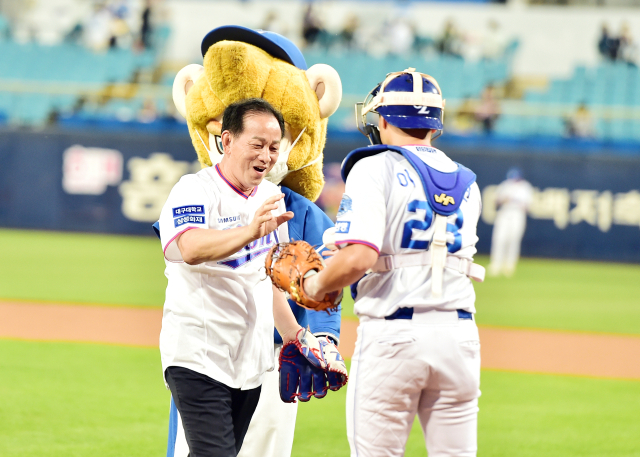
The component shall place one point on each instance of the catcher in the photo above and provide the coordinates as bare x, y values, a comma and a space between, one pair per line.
407, 222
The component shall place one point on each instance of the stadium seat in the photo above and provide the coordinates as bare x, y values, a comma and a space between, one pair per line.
31, 109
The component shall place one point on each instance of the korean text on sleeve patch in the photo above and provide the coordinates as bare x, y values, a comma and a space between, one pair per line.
189, 209
189, 219
190, 214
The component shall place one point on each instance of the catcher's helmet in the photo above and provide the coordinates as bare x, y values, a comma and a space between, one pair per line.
407, 100
514, 173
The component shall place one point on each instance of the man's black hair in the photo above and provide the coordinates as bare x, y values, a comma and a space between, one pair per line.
234, 114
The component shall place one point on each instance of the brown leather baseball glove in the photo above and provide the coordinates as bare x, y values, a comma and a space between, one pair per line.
288, 264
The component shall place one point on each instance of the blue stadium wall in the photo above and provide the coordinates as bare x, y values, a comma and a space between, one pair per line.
587, 203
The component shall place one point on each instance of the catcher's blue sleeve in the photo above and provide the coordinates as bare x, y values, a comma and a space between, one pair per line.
309, 223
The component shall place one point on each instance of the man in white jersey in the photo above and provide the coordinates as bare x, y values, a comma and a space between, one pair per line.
216, 341
408, 219
513, 199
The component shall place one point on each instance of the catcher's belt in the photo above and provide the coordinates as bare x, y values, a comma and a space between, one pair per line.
465, 266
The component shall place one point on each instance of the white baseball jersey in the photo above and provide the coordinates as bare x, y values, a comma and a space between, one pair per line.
218, 316
385, 207
514, 194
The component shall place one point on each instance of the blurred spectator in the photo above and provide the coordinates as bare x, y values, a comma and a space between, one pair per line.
98, 28
269, 22
312, 27
74, 36
272, 23
148, 112
400, 37
52, 118
120, 33
145, 26
628, 51
348, 33
422, 44
580, 125
494, 42
464, 119
488, 110
450, 43
607, 44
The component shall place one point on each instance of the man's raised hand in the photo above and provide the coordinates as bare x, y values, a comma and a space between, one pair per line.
264, 221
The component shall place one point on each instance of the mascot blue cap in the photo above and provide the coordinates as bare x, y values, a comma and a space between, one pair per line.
270, 42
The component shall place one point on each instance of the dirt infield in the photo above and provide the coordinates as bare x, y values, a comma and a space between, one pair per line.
538, 351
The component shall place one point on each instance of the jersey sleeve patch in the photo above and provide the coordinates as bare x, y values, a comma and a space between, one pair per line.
189, 209
189, 214
345, 205
343, 226
189, 219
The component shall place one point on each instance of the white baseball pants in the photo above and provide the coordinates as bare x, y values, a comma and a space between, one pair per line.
272, 426
428, 366
506, 239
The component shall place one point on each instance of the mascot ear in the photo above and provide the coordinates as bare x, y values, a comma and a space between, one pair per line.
185, 79
325, 81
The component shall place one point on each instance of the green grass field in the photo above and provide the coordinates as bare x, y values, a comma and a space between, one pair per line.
77, 400
100, 269
559, 294
64, 399
82, 268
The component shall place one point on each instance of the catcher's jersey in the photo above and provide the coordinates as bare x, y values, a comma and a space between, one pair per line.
218, 316
385, 207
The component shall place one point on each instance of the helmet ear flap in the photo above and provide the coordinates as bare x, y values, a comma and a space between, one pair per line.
369, 130
437, 133
373, 133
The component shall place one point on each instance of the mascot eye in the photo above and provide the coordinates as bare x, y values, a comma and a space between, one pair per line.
219, 144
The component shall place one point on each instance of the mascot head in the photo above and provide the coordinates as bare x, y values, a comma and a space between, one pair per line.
241, 63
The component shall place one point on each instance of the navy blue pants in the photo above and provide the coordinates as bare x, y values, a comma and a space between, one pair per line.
215, 417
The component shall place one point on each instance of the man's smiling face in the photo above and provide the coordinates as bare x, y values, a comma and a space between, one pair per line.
249, 156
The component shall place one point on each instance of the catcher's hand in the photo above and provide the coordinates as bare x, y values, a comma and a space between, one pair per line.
288, 264
309, 366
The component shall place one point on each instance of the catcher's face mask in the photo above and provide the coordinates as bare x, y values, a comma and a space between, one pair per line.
407, 100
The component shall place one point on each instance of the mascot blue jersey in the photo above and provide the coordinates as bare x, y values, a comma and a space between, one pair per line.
309, 223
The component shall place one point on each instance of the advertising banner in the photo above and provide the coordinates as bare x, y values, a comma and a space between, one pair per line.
584, 206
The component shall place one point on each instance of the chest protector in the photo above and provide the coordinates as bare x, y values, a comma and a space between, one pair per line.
445, 193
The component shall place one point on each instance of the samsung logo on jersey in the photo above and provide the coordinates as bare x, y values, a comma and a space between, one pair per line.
225, 220
342, 226
191, 209
188, 220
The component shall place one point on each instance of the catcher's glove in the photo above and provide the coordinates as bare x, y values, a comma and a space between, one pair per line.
288, 264
309, 366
